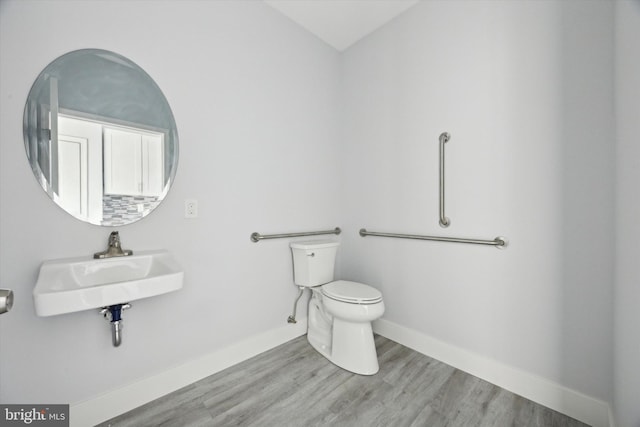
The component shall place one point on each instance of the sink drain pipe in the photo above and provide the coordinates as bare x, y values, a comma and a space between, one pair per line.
113, 314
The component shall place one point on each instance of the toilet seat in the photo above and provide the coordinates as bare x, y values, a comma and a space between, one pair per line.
351, 292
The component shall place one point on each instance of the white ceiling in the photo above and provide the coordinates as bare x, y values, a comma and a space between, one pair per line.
341, 23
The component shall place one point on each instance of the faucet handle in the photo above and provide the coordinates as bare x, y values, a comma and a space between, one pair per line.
114, 240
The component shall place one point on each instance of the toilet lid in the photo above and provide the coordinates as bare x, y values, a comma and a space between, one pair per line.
351, 292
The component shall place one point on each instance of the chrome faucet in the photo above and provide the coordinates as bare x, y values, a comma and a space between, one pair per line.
114, 249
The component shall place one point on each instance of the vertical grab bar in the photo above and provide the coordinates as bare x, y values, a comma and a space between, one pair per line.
444, 221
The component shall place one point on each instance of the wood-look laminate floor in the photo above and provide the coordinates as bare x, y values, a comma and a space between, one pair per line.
293, 385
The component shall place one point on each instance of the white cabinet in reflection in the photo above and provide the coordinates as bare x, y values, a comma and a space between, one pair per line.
133, 162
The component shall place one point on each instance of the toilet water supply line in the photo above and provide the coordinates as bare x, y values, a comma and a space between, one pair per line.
113, 314
292, 318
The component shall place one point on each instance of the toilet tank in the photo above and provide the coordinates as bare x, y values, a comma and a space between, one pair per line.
313, 262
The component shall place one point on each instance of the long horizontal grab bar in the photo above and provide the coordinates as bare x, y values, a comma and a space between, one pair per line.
498, 242
256, 237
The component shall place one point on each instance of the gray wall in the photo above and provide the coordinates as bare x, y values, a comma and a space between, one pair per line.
257, 106
627, 290
525, 89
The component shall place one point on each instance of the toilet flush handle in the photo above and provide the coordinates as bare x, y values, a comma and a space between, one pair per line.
312, 254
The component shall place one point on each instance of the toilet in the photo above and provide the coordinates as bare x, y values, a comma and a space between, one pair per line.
340, 312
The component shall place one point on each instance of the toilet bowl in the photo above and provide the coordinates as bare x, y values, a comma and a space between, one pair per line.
340, 312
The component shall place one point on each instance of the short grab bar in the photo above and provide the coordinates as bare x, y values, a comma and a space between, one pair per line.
256, 237
498, 242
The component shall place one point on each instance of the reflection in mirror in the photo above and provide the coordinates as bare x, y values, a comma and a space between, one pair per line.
100, 137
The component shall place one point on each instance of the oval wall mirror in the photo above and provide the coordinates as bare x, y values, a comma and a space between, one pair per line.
100, 137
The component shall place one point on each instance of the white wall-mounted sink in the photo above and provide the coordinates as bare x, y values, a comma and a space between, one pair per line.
75, 284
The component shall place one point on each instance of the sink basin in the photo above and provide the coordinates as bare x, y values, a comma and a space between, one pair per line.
75, 284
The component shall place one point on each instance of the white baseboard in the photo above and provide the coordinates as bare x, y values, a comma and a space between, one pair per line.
533, 387
121, 400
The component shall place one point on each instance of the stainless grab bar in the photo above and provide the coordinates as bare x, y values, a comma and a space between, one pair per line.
499, 242
444, 138
256, 237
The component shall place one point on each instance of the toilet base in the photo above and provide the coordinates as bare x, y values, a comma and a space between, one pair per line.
319, 327
347, 344
354, 348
